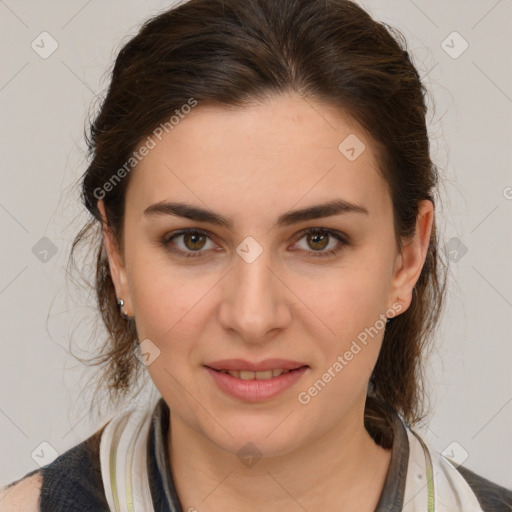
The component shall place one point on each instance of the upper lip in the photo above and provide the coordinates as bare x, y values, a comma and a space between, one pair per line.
243, 365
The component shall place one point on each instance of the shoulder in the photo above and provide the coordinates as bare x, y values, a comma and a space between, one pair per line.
22, 495
492, 497
474, 491
454, 486
71, 482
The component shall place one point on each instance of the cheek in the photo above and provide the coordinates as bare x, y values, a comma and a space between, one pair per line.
349, 304
170, 311
352, 345
350, 300
169, 304
348, 351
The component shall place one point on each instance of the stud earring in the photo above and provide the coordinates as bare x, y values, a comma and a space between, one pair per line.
120, 305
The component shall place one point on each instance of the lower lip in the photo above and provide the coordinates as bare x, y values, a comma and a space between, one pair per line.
256, 390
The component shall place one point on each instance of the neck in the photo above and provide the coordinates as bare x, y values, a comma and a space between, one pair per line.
344, 465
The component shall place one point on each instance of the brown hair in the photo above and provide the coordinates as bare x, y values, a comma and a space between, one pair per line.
232, 52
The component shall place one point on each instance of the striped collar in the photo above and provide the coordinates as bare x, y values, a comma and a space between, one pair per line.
136, 472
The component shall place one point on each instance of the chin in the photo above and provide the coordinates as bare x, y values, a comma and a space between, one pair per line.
265, 435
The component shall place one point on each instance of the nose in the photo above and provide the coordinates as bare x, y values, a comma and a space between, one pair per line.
255, 300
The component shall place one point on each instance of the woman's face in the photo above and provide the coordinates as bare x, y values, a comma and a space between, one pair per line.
249, 283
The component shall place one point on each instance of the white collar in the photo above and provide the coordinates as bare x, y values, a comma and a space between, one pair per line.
433, 484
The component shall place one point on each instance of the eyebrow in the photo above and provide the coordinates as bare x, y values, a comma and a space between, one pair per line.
187, 211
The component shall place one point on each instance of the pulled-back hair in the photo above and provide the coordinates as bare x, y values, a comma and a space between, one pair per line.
231, 53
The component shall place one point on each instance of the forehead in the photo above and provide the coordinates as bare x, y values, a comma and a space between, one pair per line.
271, 156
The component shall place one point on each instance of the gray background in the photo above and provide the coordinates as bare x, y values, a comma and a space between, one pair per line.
44, 104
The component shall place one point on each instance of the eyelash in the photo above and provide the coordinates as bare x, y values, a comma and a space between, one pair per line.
342, 239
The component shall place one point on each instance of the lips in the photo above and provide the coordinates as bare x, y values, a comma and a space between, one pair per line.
256, 386
241, 365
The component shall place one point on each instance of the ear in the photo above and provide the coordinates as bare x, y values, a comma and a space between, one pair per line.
116, 263
409, 262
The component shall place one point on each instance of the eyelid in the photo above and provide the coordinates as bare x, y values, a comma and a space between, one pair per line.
333, 232
169, 236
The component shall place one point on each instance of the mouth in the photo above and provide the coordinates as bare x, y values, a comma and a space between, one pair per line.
263, 370
265, 375
254, 382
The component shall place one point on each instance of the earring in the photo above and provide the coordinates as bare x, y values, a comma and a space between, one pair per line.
120, 304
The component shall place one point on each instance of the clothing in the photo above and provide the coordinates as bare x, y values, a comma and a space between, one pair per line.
129, 457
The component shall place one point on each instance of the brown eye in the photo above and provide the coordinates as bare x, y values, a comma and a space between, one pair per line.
318, 241
194, 241
322, 242
188, 243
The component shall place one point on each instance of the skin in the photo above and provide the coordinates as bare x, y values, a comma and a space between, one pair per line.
251, 165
